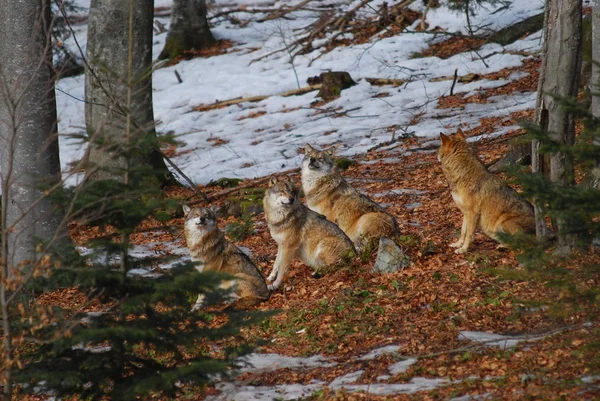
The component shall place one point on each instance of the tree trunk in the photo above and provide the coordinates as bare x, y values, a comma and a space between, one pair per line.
111, 96
188, 30
29, 149
592, 177
517, 154
559, 76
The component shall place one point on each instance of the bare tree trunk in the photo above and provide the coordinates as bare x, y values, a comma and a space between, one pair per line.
188, 30
106, 88
28, 148
592, 178
559, 76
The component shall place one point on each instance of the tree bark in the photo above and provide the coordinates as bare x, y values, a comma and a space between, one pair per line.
28, 131
188, 30
111, 97
592, 177
559, 76
29, 149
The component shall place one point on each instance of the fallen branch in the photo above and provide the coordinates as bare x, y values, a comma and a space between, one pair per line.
185, 177
243, 10
454, 81
252, 99
386, 81
281, 13
251, 184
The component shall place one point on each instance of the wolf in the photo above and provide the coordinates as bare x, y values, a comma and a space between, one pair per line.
211, 251
485, 200
328, 193
300, 232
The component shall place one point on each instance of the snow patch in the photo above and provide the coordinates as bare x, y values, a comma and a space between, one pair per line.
376, 353
402, 366
498, 340
270, 362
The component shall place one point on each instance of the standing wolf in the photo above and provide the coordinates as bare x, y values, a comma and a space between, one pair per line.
328, 193
211, 251
300, 232
485, 200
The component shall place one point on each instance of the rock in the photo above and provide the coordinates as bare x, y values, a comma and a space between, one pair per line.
390, 257
244, 203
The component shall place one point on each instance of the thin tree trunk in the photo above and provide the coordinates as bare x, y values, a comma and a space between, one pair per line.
29, 147
559, 76
106, 88
188, 29
592, 178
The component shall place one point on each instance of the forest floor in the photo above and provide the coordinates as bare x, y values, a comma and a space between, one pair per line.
424, 332
424, 312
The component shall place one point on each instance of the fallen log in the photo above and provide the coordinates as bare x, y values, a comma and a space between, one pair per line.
252, 99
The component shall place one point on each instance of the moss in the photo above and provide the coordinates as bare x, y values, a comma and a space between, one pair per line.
343, 163
225, 182
244, 203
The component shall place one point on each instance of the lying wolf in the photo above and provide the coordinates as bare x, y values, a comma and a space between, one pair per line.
328, 193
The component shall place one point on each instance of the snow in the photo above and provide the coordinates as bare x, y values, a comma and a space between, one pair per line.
269, 143
269, 362
486, 17
497, 340
376, 353
233, 392
240, 391
402, 366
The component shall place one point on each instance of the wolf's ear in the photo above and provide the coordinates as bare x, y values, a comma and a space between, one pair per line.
330, 151
272, 181
214, 209
186, 209
308, 149
460, 135
445, 140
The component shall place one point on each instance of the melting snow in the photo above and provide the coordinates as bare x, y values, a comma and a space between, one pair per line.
268, 362
497, 340
388, 349
402, 366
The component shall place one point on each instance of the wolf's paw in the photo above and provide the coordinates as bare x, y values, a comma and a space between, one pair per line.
271, 277
456, 244
461, 250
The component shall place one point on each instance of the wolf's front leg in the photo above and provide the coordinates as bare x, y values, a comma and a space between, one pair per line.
472, 220
283, 261
463, 230
275, 269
